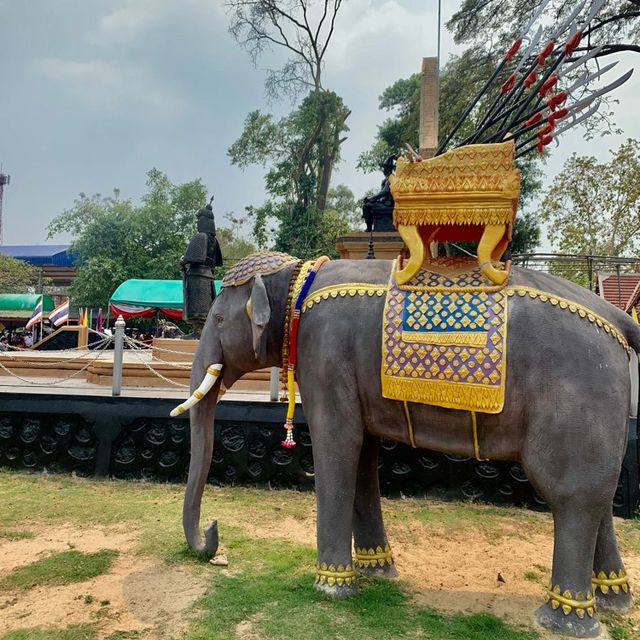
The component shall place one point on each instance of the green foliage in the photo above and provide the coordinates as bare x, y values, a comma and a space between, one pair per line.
299, 152
116, 240
526, 234
497, 21
74, 632
16, 276
60, 568
593, 208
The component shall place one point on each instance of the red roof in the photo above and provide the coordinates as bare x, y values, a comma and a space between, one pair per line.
619, 289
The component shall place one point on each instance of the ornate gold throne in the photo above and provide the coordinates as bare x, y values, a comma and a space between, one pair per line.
466, 194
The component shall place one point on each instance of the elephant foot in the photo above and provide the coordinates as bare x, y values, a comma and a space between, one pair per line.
376, 562
568, 624
336, 581
612, 591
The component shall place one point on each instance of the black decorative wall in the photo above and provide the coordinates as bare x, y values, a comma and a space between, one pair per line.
131, 438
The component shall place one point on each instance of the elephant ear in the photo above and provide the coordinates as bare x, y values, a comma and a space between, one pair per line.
260, 314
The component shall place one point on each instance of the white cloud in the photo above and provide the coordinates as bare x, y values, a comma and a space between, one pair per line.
113, 87
137, 17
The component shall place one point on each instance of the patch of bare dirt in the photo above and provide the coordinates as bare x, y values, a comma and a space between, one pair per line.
137, 594
287, 528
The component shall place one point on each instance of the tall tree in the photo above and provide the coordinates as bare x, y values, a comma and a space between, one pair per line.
293, 151
303, 28
314, 130
593, 208
493, 22
16, 276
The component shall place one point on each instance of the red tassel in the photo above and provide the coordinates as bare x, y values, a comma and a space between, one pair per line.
546, 130
572, 43
530, 79
545, 53
548, 84
508, 84
543, 141
558, 115
557, 100
536, 117
514, 49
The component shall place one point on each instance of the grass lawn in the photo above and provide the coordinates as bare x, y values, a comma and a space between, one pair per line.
266, 592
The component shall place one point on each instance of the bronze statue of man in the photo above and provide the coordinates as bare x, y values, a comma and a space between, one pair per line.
197, 264
377, 210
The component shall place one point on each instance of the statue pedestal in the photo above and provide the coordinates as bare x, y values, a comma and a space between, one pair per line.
355, 245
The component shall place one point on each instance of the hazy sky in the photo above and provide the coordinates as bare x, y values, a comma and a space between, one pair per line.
96, 93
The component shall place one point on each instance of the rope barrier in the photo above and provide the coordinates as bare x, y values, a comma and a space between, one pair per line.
49, 363
49, 383
136, 352
144, 346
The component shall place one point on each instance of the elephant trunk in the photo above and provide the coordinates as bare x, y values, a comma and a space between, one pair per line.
202, 414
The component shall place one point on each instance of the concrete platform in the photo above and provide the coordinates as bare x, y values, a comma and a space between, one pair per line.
85, 372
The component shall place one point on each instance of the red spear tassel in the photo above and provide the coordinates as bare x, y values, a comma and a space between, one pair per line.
543, 141
548, 84
572, 43
508, 84
557, 100
530, 79
558, 115
545, 53
546, 130
536, 117
513, 50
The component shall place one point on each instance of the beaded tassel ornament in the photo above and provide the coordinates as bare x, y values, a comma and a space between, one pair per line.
289, 442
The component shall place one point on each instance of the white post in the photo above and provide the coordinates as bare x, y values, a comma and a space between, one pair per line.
274, 379
117, 357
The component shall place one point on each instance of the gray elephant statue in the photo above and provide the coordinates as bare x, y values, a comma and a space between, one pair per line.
570, 361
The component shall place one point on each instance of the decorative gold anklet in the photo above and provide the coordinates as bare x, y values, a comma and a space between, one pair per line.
332, 575
568, 603
615, 581
372, 557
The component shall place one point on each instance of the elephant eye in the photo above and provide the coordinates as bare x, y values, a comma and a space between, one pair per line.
218, 318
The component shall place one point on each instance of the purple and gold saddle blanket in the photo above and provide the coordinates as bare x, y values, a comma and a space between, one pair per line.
444, 338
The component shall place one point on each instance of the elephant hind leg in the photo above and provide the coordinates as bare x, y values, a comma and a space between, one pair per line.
610, 582
570, 606
373, 554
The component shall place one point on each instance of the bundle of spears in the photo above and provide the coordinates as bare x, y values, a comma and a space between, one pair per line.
533, 105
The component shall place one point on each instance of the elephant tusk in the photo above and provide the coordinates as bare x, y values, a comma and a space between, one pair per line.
210, 378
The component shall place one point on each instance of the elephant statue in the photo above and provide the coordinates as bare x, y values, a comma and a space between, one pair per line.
571, 359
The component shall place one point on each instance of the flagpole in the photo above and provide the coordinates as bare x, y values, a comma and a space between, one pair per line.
41, 318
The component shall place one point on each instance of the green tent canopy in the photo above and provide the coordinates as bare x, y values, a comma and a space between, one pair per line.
143, 298
15, 306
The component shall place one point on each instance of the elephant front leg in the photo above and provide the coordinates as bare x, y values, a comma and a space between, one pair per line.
609, 579
570, 606
337, 438
373, 553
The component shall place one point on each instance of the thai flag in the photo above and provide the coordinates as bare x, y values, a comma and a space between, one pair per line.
60, 315
36, 316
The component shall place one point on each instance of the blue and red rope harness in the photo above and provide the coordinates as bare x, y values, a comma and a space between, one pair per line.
289, 442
